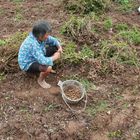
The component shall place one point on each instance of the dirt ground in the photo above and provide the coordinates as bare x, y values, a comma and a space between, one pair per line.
28, 112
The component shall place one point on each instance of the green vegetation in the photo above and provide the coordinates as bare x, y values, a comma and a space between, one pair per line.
121, 27
135, 90
2, 76
86, 53
71, 55
125, 105
2, 11
80, 29
126, 5
101, 106
18, 14
9, 52
18, 17
97, 6
131, 36
17, 1
51, 107
110, 54
74, 27
16, 39
86, 6
115, 134
118, 51
108, 24
123, 1
2, 42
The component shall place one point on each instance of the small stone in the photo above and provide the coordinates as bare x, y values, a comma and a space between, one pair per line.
45, 126
139, 9
109, 112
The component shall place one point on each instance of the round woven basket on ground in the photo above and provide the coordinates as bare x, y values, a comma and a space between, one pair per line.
71, 83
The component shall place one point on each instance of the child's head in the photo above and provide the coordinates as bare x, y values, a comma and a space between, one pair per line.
41, 30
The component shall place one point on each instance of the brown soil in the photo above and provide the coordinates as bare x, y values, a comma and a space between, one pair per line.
72, 92
28, 112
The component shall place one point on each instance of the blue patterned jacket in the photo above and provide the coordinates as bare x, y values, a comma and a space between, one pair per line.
32, 50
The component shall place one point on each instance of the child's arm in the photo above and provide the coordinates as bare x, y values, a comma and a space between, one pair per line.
52, 41
39, 56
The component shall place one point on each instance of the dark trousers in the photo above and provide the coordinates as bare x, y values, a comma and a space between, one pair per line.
51, 50
36, 67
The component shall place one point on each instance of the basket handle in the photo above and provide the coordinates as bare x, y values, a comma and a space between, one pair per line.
73, 110
60, 84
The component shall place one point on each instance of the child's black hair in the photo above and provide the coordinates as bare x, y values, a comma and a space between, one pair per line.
41, 28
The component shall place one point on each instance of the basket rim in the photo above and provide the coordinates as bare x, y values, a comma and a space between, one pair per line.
81, 86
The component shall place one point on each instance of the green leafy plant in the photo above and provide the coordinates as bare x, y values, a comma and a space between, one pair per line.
18, 14
71, 55
86, 52
51, 107
86, 6
131, 36
2, 76
125, 5
17, 1
108, 24
123, 1
9, 52
18, 17
2, 11
16, 39
119, 51
121, 27
115, 134
80, 29
73, 27
2, 42
101, 106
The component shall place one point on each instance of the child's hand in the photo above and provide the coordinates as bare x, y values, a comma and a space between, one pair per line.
56, 56
60, 49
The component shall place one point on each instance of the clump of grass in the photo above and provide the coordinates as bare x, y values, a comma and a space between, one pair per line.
86, 6
17, 1
115, 134
80, 29
131, 36
108, 24
119, 51
2, 76
16, 39
18, 14
86, 53
71, 55
51, 107
121, 27
2, 42
2, 11
18, 17
125, 5
111, 56
9, 52
123, 1
94, 109
74, 27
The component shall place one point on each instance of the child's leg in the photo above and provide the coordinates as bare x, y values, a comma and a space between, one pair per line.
44, 71
49, 52
42, 76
